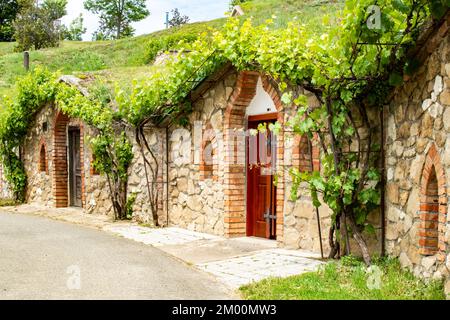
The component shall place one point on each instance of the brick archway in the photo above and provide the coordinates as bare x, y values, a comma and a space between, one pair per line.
302, 150
60, 167
43, 157
209, 156
433, 206
235, 124
60, 161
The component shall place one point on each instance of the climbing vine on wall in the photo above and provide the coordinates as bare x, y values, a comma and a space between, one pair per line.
34, 90
111, 150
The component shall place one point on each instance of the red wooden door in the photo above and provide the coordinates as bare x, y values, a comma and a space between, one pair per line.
261, 190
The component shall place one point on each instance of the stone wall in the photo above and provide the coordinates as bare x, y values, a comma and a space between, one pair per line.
301, 217
39, 189
418, 163
301, 227
5, 192
196, 198
137, 182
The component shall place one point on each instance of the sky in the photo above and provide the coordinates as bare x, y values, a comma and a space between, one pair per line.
197, 10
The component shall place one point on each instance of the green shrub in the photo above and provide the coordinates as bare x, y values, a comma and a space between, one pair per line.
170, 42
130, 204
7, 202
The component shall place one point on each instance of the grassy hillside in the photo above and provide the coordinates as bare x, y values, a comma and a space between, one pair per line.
6, 48
131, 54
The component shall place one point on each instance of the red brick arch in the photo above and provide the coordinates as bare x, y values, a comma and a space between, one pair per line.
60, 167
302, 150
43, 156
60, 161
209, 166
235, 171
433, 206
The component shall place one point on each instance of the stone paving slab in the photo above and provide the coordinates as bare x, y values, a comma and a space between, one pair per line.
204, 251
243, 270
160, 237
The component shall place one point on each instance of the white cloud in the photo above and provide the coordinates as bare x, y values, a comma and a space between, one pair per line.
197, 10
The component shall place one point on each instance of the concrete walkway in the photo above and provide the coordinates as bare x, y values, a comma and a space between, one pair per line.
234, 262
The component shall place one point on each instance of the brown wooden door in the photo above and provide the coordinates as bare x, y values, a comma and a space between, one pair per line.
261, 189
74, 168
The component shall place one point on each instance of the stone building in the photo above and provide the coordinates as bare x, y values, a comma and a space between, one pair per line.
418, 161
58, 162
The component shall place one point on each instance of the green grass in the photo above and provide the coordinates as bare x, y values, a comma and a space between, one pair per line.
347, 281
7, 203
125, 54
6, 48
308, 12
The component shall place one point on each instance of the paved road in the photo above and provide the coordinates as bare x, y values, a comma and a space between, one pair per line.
46, 259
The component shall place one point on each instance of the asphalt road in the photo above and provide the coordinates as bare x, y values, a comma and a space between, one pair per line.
46, 259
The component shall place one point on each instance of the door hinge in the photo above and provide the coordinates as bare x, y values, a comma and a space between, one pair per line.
268, 216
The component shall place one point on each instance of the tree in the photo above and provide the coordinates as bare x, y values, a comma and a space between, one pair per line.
8, 12
34, 29
116, 16
56, 9
177, 19
35, 25
75, 30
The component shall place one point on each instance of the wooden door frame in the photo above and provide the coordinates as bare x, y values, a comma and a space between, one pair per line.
254, 118
263, 117
71, 172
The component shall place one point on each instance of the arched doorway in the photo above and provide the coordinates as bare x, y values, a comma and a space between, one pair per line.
253, 204
68, 170
261, 170
433, 207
